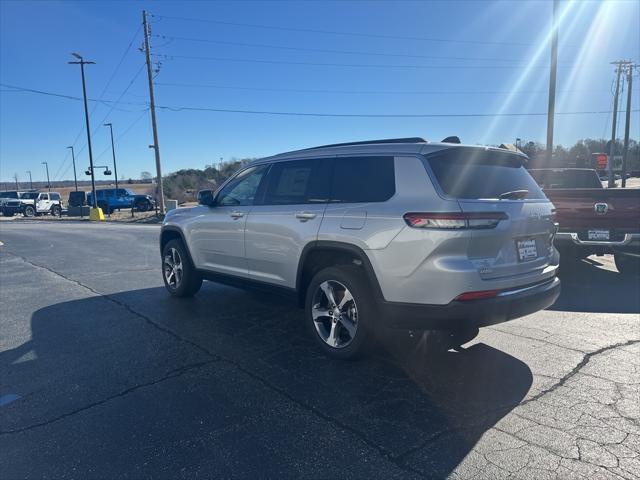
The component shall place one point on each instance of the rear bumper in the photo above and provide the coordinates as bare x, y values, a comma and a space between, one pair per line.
508, 305
630, 243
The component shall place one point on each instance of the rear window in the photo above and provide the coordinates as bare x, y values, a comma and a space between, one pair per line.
363, 179
479, 174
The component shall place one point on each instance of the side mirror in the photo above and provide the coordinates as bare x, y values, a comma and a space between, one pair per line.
205, 197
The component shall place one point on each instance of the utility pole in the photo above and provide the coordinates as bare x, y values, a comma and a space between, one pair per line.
73, 159
82, 63
152, 104
627, 125
30, 180
15, 177
113, 152
612, 147
552, 81
46, 164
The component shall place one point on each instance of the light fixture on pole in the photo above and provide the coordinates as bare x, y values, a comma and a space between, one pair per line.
113, 152
73, 159
47, 167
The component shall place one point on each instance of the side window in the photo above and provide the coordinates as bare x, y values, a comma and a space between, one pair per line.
44, 196
298, 181
55, 196
242, 189
363, 179
122, 192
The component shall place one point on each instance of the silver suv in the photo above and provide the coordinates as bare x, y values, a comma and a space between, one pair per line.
390, 233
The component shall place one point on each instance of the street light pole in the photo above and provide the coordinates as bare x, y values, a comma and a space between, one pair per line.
48, 182
73, 159
113, 152
82, 63
30, 180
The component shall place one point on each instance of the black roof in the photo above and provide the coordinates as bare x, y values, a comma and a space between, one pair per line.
373, 142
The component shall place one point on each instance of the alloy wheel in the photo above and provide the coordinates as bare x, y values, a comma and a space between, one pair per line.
173, 268
335, 314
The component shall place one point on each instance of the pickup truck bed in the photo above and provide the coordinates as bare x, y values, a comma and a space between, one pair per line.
594, 220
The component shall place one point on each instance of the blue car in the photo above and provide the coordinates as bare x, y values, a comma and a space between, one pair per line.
110, 199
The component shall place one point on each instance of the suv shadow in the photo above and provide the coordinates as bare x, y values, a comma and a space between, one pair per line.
99, 359
587, 287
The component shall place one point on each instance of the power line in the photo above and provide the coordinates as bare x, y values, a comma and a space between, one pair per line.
374, 92
337, 32
261, 112
350, 65
127, 130
16, 89
323, 50
380, 115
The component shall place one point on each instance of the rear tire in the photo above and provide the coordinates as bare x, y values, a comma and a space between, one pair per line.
56, 211
180, 276
340, 311
627, 265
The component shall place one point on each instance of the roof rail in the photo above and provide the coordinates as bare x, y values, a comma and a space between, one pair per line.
373, 142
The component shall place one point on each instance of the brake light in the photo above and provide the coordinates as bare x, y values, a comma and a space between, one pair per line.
454, 220
468, 296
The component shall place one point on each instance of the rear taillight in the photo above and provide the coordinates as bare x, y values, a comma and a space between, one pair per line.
454, 220
480, 295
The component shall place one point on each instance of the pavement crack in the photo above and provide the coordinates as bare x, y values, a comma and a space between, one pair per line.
575, 370
172, 374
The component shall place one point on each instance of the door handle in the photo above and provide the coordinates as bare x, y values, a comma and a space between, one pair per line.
236, 214
304, 216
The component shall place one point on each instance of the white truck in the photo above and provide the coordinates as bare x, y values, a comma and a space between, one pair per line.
30, 204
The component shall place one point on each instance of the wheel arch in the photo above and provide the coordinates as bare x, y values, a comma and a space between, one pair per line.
325, 253
169, 233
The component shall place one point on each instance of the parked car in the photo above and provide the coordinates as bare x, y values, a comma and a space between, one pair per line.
30, 204
593, 219
110, 199
8, 196
374, 235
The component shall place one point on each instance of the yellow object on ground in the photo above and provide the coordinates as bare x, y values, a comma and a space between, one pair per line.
96, 214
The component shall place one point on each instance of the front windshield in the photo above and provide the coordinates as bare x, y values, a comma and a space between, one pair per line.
29, 195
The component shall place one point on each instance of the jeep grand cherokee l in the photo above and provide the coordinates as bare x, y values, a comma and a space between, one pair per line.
390, 233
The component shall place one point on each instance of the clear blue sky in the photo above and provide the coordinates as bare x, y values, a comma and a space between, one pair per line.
507, 39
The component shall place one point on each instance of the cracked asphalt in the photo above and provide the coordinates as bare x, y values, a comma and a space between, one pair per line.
102, 374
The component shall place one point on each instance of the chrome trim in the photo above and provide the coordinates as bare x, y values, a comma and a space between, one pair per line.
525, 289
628, 238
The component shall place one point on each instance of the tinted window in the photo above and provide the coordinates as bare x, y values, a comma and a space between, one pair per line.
475, 173
44, 196
566, 178
29, 195
363, 179
54, 196
298, 181
122, 192
243, 188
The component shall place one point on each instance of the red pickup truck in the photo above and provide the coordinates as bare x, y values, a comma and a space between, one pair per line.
593, 219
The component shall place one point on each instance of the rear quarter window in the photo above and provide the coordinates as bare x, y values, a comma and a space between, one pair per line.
469, 173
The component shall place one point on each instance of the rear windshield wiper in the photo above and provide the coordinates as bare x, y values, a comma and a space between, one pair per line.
514, 195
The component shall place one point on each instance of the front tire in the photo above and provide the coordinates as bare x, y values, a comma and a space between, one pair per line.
29, 211
143, 205
180, 276
56, 211
340, 311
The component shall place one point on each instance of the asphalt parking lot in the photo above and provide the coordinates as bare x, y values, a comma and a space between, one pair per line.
102, 374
